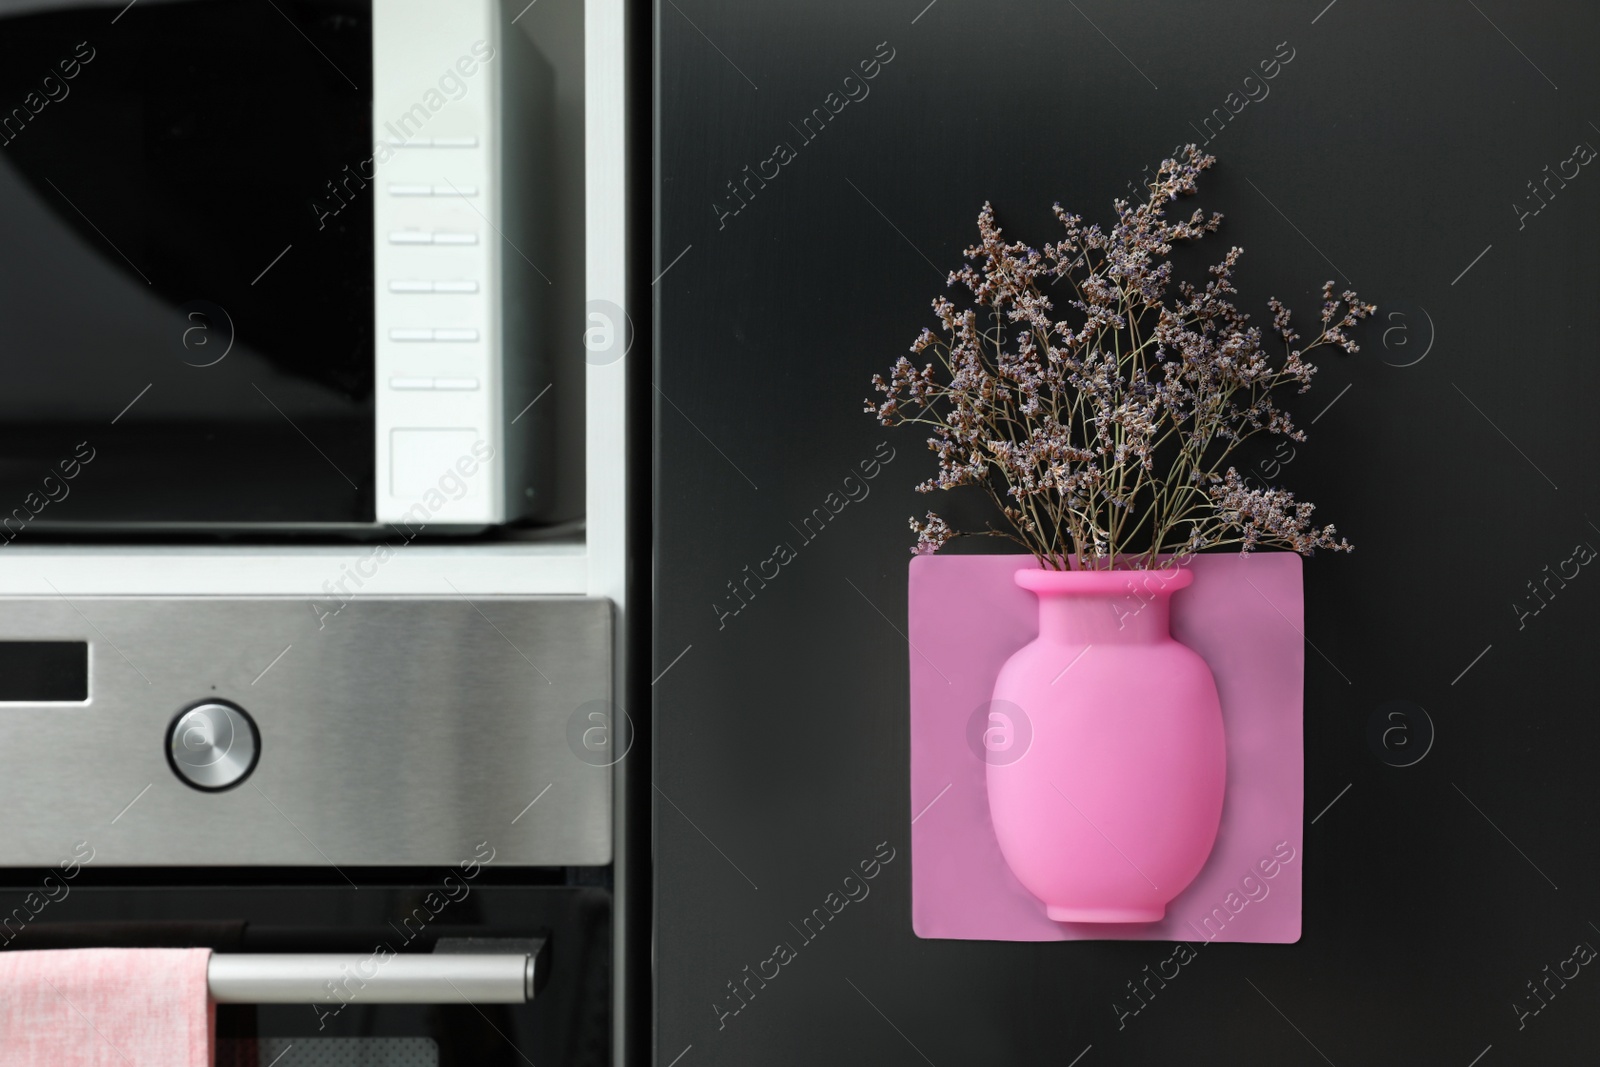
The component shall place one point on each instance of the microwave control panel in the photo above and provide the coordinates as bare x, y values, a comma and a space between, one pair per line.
457, 279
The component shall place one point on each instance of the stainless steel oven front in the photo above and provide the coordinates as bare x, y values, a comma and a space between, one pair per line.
391, 821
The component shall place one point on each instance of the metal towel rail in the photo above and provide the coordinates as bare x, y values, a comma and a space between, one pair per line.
441, 977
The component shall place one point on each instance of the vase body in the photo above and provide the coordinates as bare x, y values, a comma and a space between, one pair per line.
1112, 809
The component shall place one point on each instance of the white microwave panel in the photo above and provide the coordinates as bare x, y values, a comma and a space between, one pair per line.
438, 85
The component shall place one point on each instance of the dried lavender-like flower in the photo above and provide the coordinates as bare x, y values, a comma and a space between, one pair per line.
1101, 430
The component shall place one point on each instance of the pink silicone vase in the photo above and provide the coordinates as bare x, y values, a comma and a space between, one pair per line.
1112, 807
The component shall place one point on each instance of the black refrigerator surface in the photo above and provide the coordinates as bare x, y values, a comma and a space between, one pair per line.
819, 170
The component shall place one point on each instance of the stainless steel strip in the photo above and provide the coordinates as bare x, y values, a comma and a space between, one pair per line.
446, 732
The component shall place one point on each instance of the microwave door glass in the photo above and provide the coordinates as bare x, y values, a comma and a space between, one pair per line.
186, 305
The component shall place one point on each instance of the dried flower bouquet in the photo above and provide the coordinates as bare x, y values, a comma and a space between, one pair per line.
1103, 437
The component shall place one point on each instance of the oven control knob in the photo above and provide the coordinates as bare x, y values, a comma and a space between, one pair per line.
213, 745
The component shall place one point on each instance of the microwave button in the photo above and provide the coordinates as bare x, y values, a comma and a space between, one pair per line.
402, 189
436, 237
436, 142
411, 383
410, 286
455, 383
417, 456
213, 745
423, 333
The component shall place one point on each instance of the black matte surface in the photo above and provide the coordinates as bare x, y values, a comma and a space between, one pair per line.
1390, 152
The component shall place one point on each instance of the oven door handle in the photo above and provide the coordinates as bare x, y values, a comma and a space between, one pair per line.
373, 978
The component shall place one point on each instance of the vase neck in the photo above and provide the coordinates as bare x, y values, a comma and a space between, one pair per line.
1141, 615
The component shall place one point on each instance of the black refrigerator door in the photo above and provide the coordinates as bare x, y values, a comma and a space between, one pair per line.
187, 326
805, 223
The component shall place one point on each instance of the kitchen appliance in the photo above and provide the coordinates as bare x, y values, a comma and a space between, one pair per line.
305, 715
388, 818
273, 267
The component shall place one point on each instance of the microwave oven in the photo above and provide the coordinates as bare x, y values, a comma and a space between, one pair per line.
272, 266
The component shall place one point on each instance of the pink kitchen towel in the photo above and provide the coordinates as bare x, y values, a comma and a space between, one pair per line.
1244, 615
105, 1007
